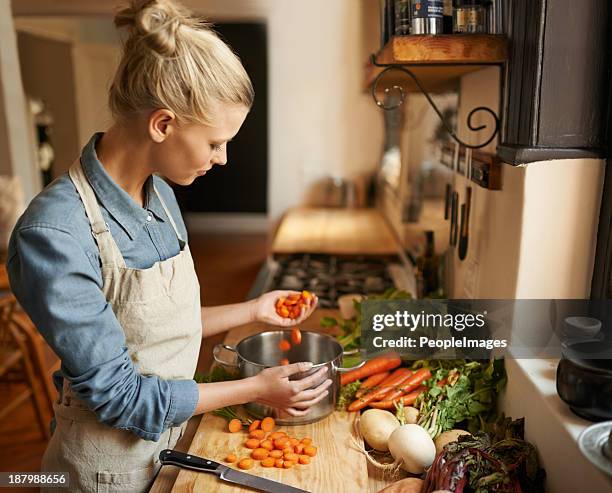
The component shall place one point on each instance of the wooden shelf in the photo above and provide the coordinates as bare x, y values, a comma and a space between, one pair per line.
438, 61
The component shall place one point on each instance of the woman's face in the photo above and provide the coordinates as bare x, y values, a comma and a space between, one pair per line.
190, 150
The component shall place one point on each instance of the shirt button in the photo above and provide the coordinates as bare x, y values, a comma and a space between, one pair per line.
149, 218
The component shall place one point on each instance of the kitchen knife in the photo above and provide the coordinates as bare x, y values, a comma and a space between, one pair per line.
454, 224
465, 224
450, 187
187, 461
465, 214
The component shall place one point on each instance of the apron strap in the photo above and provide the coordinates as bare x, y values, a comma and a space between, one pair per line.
181, 240
109, 251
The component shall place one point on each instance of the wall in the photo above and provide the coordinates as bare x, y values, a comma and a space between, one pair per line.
16, 153
536, 237
48, 73
321, 120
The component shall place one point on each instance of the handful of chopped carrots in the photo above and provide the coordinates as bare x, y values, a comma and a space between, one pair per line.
291, 306
273, 448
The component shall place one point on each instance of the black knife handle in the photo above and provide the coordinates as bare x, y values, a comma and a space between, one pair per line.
447, 201
454, 226
181, 459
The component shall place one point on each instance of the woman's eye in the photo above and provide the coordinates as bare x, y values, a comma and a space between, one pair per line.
217, 147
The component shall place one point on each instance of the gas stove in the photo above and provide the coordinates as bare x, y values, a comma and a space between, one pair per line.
331, 276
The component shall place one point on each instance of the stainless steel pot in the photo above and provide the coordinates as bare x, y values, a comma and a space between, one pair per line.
260, 351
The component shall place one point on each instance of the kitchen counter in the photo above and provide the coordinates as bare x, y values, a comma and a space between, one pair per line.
551, 426
338, 466
335, 231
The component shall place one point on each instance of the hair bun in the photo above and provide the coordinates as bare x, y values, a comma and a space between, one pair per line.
155, 22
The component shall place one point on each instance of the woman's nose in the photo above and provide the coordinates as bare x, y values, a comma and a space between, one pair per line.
220, 157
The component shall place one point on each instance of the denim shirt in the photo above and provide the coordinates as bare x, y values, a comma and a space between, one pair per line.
54, 270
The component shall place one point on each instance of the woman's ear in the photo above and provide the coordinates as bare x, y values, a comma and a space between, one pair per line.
161, 124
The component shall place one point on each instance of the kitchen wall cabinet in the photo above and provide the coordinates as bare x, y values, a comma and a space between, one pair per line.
557, 77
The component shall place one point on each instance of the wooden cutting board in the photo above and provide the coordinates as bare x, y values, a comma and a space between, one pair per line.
338, 467
335, 231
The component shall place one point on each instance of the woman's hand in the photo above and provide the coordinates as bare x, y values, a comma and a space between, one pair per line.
265, 309
293, 397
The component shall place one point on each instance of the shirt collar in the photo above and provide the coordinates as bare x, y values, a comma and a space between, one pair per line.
130, 216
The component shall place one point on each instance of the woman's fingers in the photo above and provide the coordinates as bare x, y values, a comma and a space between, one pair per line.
295, 412
311, 402
311, 380
310, 394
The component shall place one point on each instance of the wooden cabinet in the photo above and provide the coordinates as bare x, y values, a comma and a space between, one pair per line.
557, 80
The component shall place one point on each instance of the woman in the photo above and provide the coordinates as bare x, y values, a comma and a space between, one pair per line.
100, 262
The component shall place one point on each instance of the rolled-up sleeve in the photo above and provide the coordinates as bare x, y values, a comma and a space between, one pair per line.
60, 288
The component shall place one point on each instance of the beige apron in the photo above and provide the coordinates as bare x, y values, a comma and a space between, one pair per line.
159, 310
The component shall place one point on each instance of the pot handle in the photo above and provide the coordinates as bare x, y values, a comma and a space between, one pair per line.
351, 353
216, 351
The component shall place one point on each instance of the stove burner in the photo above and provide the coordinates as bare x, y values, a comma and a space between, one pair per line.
329, 276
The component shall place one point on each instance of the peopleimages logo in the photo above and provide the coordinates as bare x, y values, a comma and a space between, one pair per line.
480, 329
412, 321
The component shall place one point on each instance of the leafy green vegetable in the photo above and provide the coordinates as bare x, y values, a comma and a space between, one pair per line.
228, 413
220, 374
216, 374
498, 461
351, 328
347, 395
459, 391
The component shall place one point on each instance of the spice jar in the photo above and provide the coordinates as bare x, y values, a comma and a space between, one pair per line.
427, 16
402, 17
469, 16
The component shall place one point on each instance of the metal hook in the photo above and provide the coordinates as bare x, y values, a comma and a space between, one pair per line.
451, 132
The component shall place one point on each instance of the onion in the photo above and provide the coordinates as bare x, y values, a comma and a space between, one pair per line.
448, 437
412, 446
376, 426
411, 415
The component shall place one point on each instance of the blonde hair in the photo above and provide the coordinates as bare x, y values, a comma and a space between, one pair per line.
172, 59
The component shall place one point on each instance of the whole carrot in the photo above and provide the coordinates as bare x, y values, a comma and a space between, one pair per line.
407, 399
377, 394
407, 385
376, 365
372, 382
391, 379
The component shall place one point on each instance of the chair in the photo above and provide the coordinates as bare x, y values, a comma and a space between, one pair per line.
16, 365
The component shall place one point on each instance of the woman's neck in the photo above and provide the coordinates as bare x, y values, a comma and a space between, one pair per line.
124, 156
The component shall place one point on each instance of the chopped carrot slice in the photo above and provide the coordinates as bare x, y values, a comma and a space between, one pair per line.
296, 336
234, 425
268, 424
231, 458
245, 463
267, 444
310, 451
259, 434
291, 456
252, 443
268, 462
259, 454
281, 443
284, 345
254, 425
